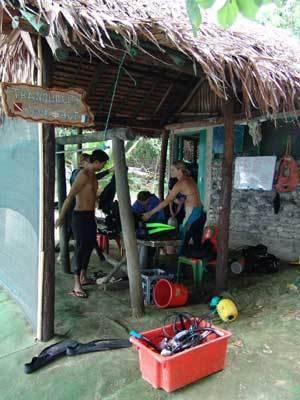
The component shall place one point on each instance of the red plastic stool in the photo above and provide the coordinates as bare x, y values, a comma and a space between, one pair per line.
103, 242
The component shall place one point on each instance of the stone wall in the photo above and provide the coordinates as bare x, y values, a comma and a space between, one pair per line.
253, 219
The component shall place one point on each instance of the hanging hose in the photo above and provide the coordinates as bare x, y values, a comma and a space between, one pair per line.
114, 92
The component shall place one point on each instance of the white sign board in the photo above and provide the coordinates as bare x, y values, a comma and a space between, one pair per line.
254, 172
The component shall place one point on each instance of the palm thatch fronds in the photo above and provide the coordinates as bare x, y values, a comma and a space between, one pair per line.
261, 67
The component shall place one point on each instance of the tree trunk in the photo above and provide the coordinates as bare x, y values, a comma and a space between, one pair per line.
62, 194
163, 162
128, 231
225, 200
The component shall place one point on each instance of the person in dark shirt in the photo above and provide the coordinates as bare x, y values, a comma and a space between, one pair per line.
145, 202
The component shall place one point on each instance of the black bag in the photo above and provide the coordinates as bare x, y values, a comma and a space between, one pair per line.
107, 196
258, 259
205, 252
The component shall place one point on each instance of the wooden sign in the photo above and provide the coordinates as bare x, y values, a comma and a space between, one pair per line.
63, 107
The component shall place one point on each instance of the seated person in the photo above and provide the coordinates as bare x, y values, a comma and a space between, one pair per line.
145, 202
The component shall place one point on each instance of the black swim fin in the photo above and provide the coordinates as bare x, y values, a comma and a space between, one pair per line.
97, 345
48, 355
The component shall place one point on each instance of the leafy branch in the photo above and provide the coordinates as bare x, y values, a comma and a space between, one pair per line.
227, 14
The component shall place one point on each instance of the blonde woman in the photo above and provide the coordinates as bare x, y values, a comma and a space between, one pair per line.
194, 214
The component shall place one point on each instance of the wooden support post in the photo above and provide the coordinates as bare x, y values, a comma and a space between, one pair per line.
79, 148
163, 162
128, 231
225, 200
47, 182
62, 194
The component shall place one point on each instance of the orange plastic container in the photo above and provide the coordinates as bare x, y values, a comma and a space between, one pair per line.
174, 372
169, 294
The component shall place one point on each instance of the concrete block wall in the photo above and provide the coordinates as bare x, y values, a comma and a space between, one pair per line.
253, 220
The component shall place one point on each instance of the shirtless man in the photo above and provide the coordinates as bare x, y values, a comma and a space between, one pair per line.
84, 189
193, 205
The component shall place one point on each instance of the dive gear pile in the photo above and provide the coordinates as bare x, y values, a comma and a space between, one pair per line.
187, 331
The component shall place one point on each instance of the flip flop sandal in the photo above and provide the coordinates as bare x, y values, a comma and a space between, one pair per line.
78, 293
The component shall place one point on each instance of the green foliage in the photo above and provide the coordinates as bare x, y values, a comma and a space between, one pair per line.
286, 15
143, 163
145, 154
262, 2
227, 14
205, 3
248, 8
194, 14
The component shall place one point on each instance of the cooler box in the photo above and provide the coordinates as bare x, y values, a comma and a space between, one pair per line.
176, 371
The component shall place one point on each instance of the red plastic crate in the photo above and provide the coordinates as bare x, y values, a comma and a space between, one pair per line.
174, 372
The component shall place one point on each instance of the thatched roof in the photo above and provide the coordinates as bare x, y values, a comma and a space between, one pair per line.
260, 66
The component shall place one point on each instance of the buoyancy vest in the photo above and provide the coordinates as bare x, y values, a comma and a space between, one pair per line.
287, 177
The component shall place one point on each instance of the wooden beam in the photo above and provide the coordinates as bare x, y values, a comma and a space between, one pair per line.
191, 94
163, 99
121, 133
196, 114
37, 22
128, 230
127, 97
62, 194
165, 58
47, 265
141, 123
219, 120
99, 69
182, 91
111, 91
12, 20
225, 198
146, 98
163, 162
214, 121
